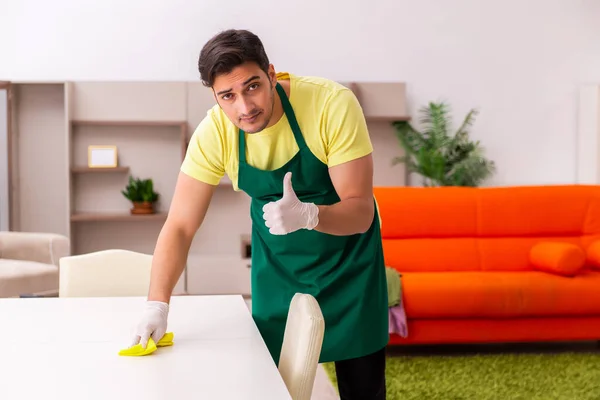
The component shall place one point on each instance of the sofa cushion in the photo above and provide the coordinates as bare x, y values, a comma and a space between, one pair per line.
500, 294
593, 254
544, 210
26, 277
411, 212
564, 259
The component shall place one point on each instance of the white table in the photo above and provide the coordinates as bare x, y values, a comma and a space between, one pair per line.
67, 349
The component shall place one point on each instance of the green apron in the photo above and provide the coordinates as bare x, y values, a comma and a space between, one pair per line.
346, 274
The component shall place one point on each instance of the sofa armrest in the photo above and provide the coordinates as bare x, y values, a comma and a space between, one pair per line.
47, 248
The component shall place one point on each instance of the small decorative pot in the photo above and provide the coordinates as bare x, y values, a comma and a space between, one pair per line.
142, 207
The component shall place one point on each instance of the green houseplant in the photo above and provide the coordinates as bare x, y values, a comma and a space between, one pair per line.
443, 158
142, 195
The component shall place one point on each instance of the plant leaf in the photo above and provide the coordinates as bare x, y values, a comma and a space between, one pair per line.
441, 159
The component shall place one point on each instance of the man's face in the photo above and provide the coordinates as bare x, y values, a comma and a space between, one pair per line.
246, 95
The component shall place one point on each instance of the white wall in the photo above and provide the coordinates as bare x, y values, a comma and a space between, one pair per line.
588, 134
520, 62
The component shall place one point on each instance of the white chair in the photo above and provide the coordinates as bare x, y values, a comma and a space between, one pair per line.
301, 349
105, 273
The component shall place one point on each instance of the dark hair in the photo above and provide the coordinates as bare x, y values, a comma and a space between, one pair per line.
228, 49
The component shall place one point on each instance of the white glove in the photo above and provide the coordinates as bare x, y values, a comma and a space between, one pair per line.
152, 324
289, 214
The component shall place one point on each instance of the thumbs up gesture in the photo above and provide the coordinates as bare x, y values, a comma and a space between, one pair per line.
289, 214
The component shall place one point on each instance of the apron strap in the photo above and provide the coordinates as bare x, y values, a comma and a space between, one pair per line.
289, 112
242, 146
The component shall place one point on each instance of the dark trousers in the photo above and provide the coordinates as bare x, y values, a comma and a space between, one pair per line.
362, 378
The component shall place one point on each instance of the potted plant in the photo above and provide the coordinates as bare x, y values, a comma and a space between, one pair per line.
141, 193
442, 158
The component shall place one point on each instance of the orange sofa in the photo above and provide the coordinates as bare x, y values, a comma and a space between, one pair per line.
502, 264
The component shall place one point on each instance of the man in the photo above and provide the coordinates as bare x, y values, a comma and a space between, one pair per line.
299, 147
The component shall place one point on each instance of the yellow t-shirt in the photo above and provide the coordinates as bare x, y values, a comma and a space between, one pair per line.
329, 115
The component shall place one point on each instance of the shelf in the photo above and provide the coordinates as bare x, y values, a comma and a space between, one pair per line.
86, 170
96, 217
181, 126
129, 123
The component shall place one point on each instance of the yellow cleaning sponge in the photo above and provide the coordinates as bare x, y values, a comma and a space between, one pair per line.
166, 340
138, 350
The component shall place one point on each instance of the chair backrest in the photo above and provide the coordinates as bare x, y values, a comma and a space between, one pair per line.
302, 341
105, 273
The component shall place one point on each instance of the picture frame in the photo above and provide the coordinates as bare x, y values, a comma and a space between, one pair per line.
102, 156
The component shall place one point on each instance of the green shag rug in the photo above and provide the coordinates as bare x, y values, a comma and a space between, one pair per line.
558, 376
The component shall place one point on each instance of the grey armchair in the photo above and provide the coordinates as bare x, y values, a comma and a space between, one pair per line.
29, 263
